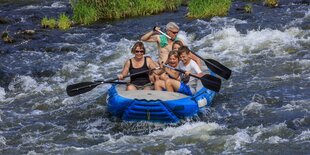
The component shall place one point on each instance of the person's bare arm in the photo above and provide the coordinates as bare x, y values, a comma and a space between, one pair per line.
196, 59
125, 70
151, 36
172, 73
151, 63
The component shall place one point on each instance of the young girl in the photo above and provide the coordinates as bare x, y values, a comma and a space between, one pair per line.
173, 61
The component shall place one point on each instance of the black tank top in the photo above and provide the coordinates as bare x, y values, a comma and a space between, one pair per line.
140, 79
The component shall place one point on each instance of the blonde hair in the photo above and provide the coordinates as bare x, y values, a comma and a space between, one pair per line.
172, 25
173, 53
137, 44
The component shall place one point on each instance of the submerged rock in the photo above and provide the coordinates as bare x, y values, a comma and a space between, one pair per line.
7, 38
28, 32
4, 20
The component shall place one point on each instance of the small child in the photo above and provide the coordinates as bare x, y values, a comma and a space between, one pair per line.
188, 65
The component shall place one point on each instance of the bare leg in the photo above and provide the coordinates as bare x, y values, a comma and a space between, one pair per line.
147, 88
131, 87
172, 85
160, 85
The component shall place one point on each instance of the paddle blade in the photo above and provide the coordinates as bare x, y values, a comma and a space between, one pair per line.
218, 68
211, 82
80, 88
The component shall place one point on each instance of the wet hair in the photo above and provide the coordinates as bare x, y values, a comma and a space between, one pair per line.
137, 44
171, 53
172, 25
174, 52
178, 42
183, 49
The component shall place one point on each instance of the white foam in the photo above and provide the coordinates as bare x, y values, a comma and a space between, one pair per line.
253, 107
32, 152
37, 112
304, 136
232, 40
297, 105
25, 83
2, 141
183, 36
2, 94
238, 140
72, 66
183, 151
188, 129
286, 76
53, 5
58, 5
275, 140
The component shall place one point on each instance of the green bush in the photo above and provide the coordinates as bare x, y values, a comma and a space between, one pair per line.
88, 11
83, 12
48, 23
248, 8
271, 3
44, 22
208, 8
64, 22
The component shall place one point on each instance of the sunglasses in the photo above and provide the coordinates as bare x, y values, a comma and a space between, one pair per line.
137, 51
175, 32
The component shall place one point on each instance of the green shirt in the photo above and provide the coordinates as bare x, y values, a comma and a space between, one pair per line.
163, 40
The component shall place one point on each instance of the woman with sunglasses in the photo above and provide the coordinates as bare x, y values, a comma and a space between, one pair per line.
137, 64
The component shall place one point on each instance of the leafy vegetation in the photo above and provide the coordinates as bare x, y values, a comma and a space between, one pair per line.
84, 12
248, 8
271, 3
64, 22
88, 11
48, 23
208, 8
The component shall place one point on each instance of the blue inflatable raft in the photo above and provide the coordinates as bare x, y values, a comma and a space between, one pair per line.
156, 106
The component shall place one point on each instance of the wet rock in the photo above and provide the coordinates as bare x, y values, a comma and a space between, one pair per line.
52, 49
4, 21
28, 32
271, 4
69, 49
42, 107
25, 34
44, 73
7, 38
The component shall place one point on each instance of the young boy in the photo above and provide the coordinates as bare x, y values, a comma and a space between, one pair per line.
188, 65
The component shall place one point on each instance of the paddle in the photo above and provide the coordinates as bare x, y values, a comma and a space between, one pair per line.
83, 87
208, 81
214, 66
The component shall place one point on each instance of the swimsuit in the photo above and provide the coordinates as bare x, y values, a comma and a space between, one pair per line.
140, 79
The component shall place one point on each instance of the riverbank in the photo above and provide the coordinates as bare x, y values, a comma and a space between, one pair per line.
86, 11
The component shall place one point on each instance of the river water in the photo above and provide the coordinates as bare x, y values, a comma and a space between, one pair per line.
262, 109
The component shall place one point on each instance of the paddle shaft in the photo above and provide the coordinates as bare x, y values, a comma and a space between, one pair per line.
164, 34
111, 81
82, 87
208, 81
190, 74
